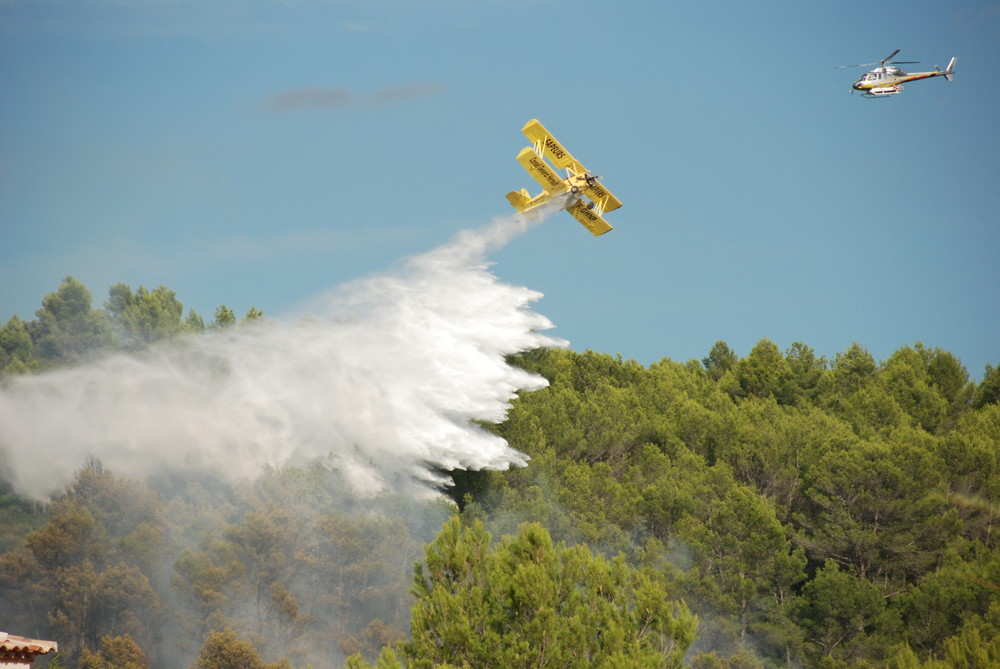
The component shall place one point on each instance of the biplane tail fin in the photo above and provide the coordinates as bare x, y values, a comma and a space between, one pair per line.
519, 198
950, 70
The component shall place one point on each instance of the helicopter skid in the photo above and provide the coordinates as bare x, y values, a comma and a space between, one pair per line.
883, 91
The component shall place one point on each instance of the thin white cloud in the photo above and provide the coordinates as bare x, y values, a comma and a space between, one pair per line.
309, 98
319, 97
395, 94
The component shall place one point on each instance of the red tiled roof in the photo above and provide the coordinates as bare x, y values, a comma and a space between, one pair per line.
19, 645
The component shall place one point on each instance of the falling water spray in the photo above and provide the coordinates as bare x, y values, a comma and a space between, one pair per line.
384, 377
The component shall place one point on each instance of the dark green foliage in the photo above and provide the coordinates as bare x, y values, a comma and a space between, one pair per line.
466, 485
529, 602
838, 612
17, 350
988, 391
719, 360
811, 513
121, 652
68, 330
764, 373
224, 317
806, 372
225, 650
145, 316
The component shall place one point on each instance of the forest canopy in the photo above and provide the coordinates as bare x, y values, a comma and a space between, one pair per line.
772, 510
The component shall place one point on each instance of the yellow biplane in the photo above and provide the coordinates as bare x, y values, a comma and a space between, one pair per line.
585, 198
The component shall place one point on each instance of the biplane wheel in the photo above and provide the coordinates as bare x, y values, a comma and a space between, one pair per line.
574, 190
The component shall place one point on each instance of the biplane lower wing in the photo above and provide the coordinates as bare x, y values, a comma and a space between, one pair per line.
589, 218
540, 171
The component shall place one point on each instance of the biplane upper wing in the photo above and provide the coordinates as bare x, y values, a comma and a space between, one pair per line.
589, 218
547, 145
540, 171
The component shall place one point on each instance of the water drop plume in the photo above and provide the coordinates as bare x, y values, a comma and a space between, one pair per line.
383, 377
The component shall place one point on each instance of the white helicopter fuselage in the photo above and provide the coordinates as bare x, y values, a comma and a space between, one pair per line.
889, 80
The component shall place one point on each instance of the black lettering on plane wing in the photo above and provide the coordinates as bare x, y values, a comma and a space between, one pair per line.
602, 197
589, 219
551, 148
540, 171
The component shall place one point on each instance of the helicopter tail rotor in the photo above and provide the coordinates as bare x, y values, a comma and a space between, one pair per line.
949, 71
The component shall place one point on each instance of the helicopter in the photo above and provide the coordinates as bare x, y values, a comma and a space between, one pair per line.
887, 79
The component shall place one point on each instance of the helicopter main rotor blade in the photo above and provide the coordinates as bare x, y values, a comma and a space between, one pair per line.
881, 63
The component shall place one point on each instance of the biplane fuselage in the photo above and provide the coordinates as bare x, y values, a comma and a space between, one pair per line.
584, 196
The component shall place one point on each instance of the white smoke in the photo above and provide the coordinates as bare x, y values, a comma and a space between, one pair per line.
383, 376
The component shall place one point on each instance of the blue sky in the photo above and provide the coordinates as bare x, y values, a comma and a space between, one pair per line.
257, 152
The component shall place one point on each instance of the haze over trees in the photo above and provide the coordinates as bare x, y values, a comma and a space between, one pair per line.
775, 510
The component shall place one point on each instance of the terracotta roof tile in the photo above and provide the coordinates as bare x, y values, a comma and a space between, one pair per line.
10, 643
